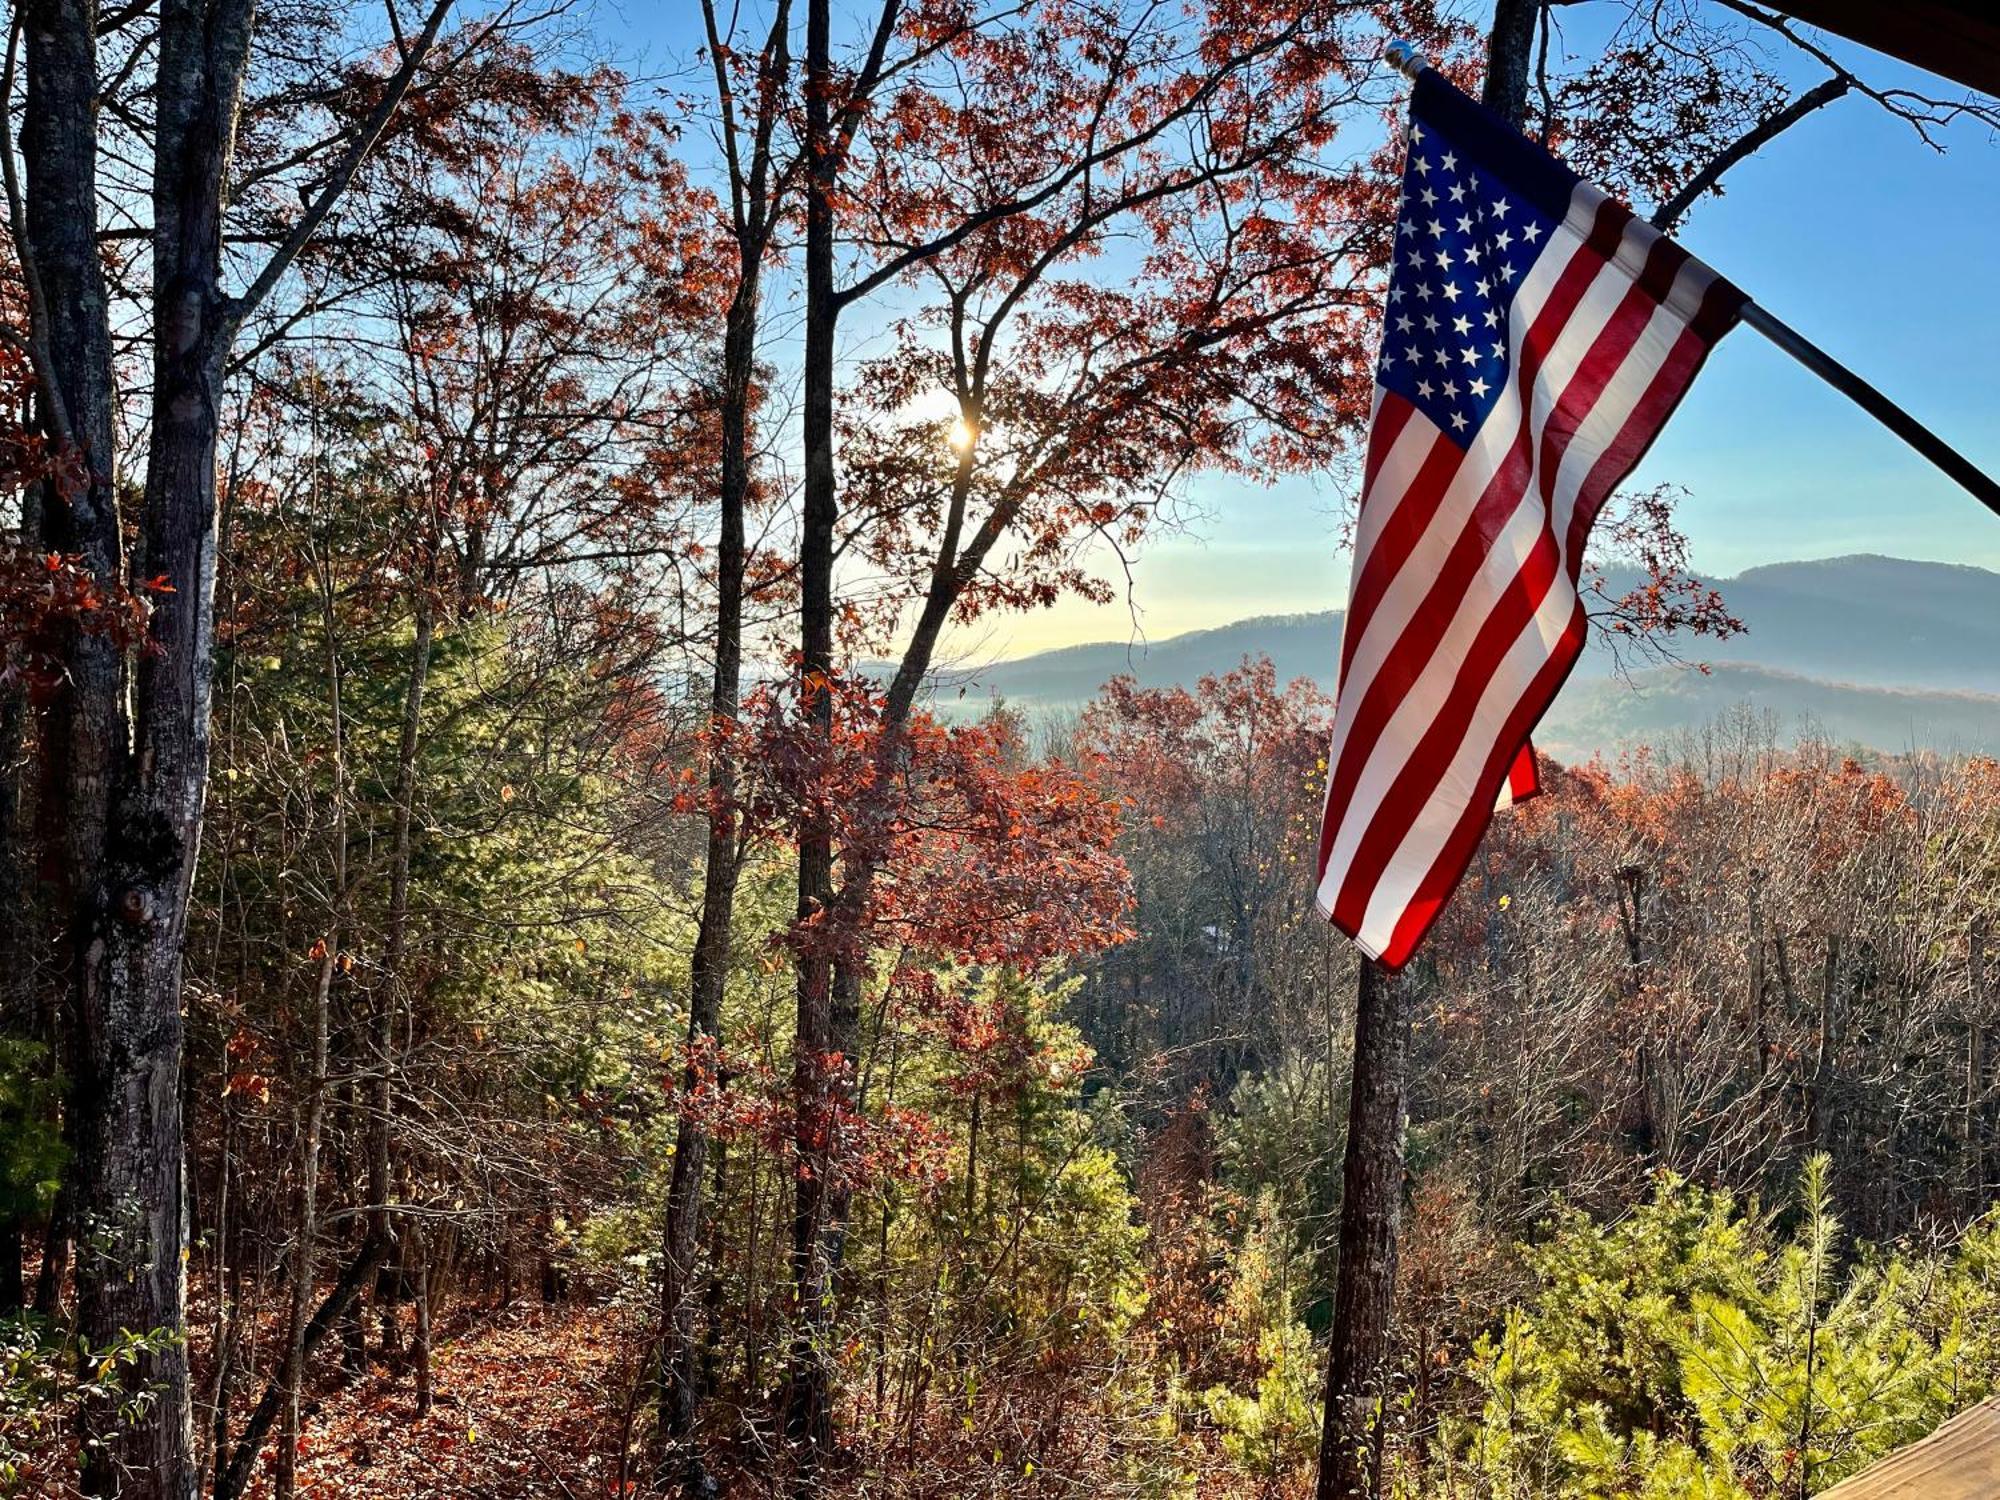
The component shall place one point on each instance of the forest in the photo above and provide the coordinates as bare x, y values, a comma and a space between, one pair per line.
517, 980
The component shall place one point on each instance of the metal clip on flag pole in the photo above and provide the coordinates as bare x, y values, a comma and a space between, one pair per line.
1405, 59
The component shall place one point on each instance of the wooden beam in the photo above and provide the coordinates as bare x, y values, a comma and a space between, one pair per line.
1956, 39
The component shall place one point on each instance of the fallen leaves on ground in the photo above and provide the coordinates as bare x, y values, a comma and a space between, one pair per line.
528, 1407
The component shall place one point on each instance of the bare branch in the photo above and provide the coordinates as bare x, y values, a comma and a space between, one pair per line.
343, 174
1670, 213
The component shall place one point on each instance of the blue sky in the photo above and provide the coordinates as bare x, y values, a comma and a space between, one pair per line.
1879, 249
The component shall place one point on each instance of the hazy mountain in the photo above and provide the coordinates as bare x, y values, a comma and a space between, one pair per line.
1880, 621
1877, 650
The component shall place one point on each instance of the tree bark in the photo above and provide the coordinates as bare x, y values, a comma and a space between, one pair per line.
419, 1251
1818, 1115
709, 969
131, 1192
16, 966
680, 1360
13, 1285
84, 736
808, 1414
1370, 1209
1977, 1049
1510, 52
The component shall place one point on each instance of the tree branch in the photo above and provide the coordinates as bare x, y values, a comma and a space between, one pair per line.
1919, 111
1028, 202
1749, 143
343, 174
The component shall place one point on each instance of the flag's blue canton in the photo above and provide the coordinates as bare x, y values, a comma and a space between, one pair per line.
1464, 240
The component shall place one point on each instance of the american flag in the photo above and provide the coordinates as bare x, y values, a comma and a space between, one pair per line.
1537, 336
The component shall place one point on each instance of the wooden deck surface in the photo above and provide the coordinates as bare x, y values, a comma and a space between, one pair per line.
1960, 1461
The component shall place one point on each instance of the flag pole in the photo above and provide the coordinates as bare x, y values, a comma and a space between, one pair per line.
1405, 59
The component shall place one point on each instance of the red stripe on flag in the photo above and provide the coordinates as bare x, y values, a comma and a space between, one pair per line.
1524, 776
1649, 415
1398, 537
1390, 418
1608, 352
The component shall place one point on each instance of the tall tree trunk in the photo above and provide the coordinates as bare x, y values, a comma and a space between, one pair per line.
381, 1085
681, 1360
142, 805
226, 1277
709, 970
305, 1244
1977, 1050
16, 966
84, 737
1631, 890
419, 1252
808, 1418
1818, 1115
13, 1283
131, 1190
1357, 1371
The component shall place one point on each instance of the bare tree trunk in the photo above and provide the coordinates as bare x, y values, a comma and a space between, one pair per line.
55, 1252
1757, 999
131, 1189
1818, 1115
420, 1352
222, 1332
85, 739
709, 970
381, 1087
16, 964
1973, 1167
1631, 891
1357, 1373
13, 1282
84, 736
305, 1244
808, 1413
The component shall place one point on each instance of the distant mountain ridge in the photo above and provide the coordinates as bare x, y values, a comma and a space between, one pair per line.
1886, 652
